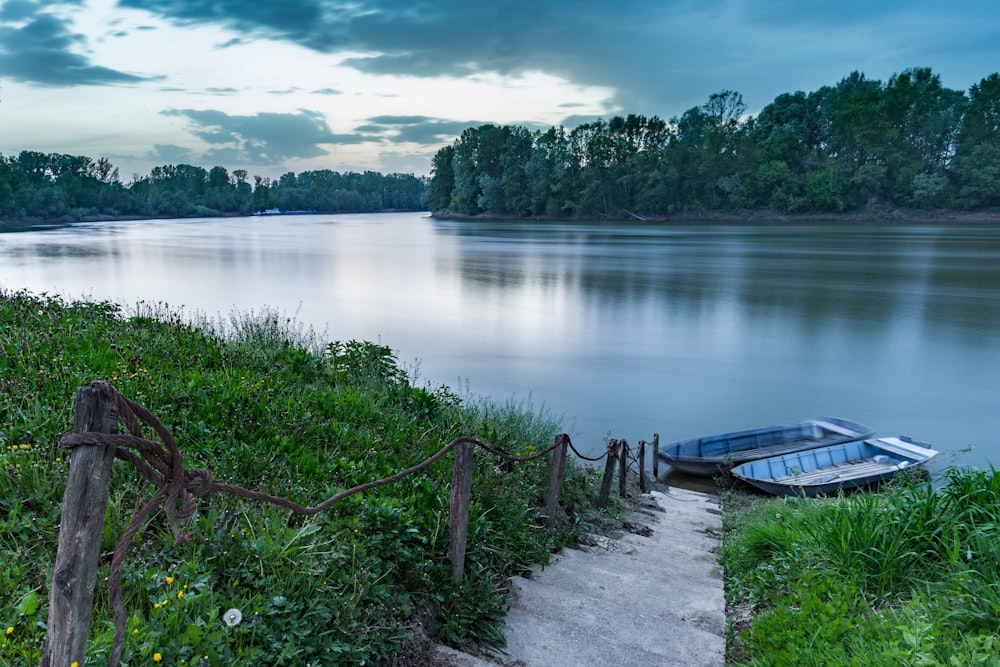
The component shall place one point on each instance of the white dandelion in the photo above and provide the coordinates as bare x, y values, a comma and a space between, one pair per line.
232, 617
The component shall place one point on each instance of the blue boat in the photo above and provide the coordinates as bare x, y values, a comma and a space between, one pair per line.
827, 470
710, 455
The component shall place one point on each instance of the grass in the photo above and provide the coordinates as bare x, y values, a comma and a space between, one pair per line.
908, 576
264, 403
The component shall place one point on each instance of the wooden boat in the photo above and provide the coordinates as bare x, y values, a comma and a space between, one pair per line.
710, 455
829, 469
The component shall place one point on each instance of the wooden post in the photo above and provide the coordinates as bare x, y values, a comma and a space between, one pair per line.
609, 473
622, 468
642, 466
461, 494
81, 526
557, 470
656, 456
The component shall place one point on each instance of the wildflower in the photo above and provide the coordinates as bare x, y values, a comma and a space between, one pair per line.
180, 594
232, 617
169, 580
157, 657
10, 629
74, 664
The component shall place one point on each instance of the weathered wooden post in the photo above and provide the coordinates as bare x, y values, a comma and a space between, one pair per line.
642, 466
609, 474
461, 494
656, 456
557, 470
81, 526
622, 468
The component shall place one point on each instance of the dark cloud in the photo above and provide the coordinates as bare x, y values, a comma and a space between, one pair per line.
170, 154
264, 138
415, 129
37, 47
659, 56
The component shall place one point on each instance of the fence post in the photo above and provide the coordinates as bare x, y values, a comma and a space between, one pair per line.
557, 471
642, 466
461, 493
609, 473
656, 456
81, 526
622, 468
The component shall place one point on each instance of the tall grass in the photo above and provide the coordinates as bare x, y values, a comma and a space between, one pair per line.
907, 576
263, 402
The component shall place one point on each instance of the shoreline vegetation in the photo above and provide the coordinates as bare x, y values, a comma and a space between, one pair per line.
858, 146
763, 216
263, 403
904, 149
904, 576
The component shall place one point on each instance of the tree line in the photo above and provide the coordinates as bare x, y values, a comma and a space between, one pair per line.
52, 186
860, 144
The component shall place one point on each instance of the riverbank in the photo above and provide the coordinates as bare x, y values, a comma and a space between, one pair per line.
262, 403
904, 576
888, 215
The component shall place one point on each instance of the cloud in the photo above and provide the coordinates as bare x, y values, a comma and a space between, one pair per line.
264, 138
415, 129
661, 56
170, 154
37, 47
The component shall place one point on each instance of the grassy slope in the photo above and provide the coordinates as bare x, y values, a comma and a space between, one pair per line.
903, 577
260, 403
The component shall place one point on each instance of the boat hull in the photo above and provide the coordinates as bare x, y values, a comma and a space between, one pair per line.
831, 469
710, 455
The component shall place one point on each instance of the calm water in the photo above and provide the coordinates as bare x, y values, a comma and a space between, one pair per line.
625, 330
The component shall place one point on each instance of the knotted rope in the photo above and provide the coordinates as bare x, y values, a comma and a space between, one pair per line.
178, 488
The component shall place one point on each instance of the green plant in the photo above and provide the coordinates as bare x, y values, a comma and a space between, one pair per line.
261, 404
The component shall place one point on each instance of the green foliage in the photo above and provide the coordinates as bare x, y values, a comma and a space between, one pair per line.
860, 143
52, 186
902, 577
259, 401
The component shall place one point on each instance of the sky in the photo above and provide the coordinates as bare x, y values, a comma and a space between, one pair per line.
352, 85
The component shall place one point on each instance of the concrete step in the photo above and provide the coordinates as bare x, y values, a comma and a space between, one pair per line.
536, 641
650, 599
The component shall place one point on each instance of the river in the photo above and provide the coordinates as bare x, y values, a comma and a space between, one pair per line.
624, 329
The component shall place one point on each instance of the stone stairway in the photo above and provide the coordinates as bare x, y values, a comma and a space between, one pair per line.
653, 598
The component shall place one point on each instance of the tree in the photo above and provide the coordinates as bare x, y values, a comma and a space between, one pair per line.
976, 165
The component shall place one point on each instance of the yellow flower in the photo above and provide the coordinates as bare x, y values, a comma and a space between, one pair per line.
157, 657
180, 594
74, 664
169, 580
10, 630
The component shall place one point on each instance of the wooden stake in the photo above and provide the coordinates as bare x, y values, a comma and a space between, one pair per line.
642, 466
557, 471
609, 474
656, 456
622, 468
461, 495
81, 526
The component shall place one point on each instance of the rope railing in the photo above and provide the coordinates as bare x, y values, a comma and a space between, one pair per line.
99, 408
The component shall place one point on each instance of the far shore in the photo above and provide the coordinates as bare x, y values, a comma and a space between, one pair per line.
764, 216
887, 215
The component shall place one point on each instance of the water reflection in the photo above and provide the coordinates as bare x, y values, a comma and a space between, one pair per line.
947, 277
624, 329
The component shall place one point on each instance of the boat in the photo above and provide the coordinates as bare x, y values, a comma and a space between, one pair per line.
708, 456
827, 470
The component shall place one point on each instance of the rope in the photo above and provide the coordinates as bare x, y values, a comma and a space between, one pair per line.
177, 488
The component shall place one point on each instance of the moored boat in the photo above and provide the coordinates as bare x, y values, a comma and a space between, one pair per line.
710, 455
827, 470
